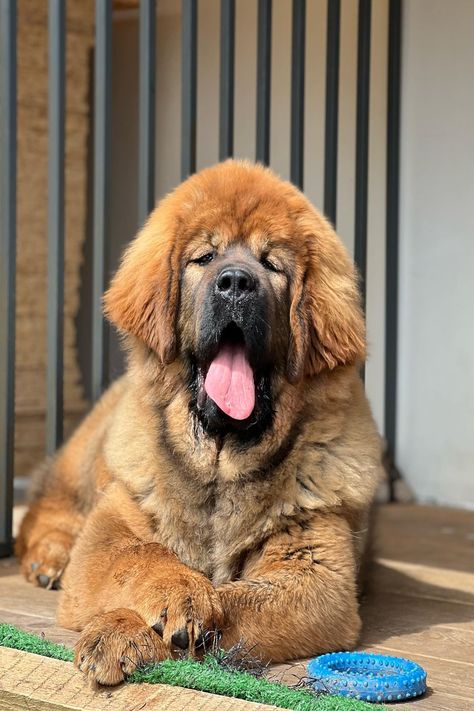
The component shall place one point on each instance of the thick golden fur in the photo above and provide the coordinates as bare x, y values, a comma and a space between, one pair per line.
159, 529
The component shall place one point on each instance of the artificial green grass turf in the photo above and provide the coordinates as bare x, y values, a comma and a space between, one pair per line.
14, 638
207, 675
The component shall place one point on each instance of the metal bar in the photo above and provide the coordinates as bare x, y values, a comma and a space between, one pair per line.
226, 91
102, 84
7, 265
362, 142
56, 118
189, 88
264, 67
146, 122
332, 109
297, 91
392, 227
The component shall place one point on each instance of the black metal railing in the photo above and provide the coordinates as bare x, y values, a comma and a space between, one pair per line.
331, 123
146, 161
264, 75
56, 138
298, 47
7, 266
101, 192
391, 232
189, 87
146, 129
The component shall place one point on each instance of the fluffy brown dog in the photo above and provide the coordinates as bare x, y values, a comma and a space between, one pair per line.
224, 482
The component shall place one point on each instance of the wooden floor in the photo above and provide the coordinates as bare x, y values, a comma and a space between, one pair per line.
420, 604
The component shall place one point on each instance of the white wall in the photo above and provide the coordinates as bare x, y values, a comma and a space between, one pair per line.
436, 368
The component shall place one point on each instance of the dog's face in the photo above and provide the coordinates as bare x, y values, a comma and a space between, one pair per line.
234, 329
238, 276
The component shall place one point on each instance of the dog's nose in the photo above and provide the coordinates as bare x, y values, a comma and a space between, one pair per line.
234, 283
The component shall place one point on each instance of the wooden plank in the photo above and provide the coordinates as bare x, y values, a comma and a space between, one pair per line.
436, 536
40, 684
403, 519
420, 604
436, 702
422, 581
444, 676
18, 596
30, 608
40, 626
449, 688
400, 614
411, 625
442, 642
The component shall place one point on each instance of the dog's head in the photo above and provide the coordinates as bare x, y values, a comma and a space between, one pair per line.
236, 274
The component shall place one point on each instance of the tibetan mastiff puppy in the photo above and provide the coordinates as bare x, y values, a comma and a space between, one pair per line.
223, 484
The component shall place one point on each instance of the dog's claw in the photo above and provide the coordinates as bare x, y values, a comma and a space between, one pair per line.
180, 639
207, 639
43, 580
158, 627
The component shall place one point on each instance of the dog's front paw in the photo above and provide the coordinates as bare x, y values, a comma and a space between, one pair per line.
43, 563
184, 610
114, 644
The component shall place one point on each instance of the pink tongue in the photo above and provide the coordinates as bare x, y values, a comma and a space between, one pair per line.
229, 382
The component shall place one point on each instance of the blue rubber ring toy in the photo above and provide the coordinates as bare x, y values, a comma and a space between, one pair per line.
369, 677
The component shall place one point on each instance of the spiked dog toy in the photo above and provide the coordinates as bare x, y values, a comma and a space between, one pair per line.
369, 677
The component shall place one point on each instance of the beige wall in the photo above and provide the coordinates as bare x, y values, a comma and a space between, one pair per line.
31, 327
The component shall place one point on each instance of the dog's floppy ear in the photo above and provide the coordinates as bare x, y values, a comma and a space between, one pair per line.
143, 296
326, 320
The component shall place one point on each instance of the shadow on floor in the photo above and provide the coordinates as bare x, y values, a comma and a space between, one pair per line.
395, 603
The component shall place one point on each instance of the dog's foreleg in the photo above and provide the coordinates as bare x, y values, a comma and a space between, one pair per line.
299, 598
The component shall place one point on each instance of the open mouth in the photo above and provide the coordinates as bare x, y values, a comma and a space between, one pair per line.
230, 380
